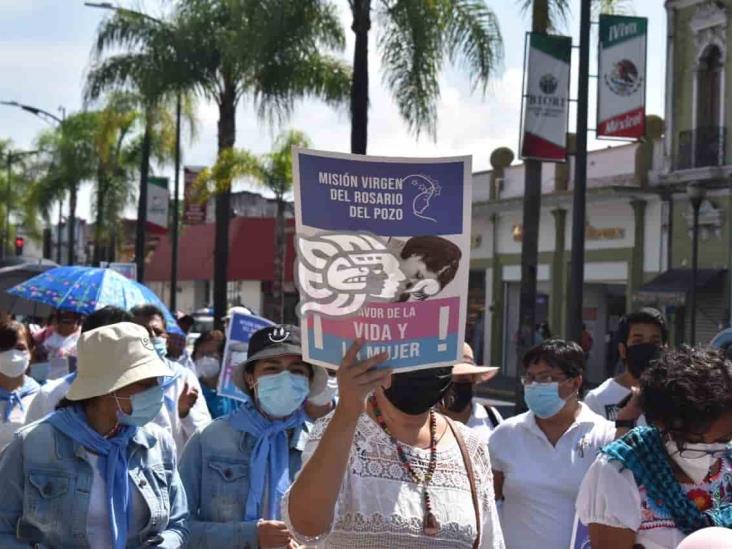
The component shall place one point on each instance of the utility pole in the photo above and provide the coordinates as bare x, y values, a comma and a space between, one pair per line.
577, 262
176, 207
530, 236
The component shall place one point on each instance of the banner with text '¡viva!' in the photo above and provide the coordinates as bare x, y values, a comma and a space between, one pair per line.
383, 253
621, 88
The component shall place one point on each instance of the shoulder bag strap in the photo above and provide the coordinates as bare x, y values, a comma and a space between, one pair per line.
471, 476
492, 415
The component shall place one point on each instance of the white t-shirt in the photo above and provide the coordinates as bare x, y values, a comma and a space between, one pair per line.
541, 481
16, 419
98, 526
604, 400
480, 422
611, 496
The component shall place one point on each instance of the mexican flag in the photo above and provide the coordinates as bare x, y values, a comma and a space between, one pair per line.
621, 86
546, 98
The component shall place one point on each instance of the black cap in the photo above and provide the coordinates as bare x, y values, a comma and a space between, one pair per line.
274, 341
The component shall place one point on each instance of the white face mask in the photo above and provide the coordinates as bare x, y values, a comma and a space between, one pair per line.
14, 363
327, 395
207, 366
695, 467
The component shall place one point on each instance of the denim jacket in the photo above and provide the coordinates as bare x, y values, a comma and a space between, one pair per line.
45, 481
214, 469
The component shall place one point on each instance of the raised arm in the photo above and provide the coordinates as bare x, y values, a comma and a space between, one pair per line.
313, 496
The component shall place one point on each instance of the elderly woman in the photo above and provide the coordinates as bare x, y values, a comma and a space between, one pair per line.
236, 470
541, 456
662, 482
386, 470
95, 473
17, 389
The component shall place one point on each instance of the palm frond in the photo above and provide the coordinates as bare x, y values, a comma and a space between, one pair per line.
554, 13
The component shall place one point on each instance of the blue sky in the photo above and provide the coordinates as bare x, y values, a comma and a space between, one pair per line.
44, 54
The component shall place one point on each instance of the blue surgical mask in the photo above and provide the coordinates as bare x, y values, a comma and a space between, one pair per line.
543, 399
161, 346
279, 395
145, 406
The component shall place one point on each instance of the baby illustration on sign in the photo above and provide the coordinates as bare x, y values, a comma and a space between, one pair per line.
338, 273
428, 189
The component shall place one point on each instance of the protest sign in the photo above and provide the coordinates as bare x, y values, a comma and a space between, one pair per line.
240, 329
383, 254
580, 536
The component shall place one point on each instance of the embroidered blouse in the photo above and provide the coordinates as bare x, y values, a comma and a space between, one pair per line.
379, 504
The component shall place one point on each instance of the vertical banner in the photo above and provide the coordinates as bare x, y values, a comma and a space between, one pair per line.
621, 87
158, 200
546, 98
383, 250
240, 330
194, 213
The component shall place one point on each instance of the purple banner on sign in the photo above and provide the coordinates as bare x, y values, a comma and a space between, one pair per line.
385, 198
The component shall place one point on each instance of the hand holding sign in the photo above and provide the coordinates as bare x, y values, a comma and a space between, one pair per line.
357, 380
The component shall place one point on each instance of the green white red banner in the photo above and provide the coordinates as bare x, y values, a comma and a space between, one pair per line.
621, 87
546, 98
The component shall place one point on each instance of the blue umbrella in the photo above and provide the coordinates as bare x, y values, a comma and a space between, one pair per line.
83, 290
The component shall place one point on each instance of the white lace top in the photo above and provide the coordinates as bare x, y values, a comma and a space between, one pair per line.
379, 505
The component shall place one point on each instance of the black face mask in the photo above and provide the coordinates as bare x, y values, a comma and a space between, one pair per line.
458, 396
416, 392
638, 357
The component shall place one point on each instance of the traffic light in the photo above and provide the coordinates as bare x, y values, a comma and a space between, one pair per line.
19, 243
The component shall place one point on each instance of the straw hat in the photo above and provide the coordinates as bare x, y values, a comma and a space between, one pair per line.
468, 366
112, 357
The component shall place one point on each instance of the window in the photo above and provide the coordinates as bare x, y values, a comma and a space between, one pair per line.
709, 82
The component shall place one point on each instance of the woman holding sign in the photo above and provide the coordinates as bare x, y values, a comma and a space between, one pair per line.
236, 470
662, 482
385, 470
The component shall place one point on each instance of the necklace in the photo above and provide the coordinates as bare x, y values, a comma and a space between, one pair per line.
430, 526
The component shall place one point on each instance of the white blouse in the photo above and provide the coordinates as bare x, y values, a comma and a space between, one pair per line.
611, 496
379, 505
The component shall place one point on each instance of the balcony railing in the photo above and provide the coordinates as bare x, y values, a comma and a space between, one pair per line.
701, 147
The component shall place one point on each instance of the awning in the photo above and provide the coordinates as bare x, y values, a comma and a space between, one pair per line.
671, 288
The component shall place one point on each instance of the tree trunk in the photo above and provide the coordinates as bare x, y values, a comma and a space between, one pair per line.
530, 240
142, 202
360, 81
227, 138
98, 247
278, 295
72, 222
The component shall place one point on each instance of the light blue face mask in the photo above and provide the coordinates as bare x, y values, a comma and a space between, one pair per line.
161, 346
145, 406
543, 399
279, 395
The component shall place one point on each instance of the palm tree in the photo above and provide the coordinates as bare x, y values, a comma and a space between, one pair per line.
145, 63
271, 51
69, 159
416, 39
272, 171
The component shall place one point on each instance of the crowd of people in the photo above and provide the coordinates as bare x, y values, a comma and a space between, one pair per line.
113, 434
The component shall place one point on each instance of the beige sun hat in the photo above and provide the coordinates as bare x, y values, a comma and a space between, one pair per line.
469, 367
112, 357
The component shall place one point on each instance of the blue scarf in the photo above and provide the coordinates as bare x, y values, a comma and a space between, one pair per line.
112, 453
270, 456
15, 398
642, 452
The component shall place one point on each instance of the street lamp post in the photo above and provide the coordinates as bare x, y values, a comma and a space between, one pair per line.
139, 244
695, 192
51, 119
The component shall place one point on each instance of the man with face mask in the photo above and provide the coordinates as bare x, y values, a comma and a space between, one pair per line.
236, 470
641, 336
